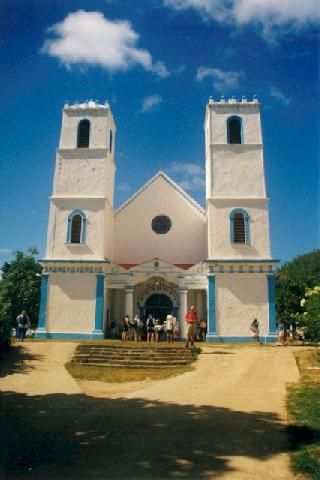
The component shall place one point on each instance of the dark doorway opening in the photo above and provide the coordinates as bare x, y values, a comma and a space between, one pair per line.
158, 305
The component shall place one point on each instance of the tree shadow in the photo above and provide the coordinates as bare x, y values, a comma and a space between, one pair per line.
77, 436
15, 360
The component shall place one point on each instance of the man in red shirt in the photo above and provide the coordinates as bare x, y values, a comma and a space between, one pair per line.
192, 320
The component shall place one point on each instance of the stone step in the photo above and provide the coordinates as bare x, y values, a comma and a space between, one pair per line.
95, 358
132, 349
186, 354
133, 365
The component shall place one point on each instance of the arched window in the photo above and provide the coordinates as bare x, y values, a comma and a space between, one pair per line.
77, 223
234, 128
239, 226
83, 134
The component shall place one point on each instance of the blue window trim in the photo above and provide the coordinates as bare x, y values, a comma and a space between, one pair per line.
246, 217
241, 129
87, 122
83, 226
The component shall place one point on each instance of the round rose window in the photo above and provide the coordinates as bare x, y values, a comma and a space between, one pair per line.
161, 224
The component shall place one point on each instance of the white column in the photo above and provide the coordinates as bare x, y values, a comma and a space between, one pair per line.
129, 301
183, 292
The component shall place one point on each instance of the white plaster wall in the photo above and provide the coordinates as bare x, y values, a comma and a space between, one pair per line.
94, 247
87, 172
240, 298
108, 231
219, 244
71, 302
237, 171
217, 117
136, 242
101, 121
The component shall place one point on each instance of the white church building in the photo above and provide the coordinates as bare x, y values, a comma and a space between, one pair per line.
160, 251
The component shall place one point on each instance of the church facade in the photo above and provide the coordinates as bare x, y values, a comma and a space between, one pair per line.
160, 251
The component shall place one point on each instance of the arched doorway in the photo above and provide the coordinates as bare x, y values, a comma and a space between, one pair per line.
159, 305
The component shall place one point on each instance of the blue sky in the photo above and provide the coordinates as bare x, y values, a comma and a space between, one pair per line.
157, 62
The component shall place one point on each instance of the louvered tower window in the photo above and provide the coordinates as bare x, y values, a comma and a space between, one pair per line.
234, 127
239, 226
76, 226
83, 134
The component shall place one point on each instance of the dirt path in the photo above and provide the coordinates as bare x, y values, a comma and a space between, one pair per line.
224, 420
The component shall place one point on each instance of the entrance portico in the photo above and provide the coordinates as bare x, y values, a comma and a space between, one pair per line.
155, 287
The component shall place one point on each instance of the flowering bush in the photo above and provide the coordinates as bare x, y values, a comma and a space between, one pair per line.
309, 320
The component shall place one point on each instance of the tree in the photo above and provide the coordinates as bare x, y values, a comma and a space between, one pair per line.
292, 281
20, 288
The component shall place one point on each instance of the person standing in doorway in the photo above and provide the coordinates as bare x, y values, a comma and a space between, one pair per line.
124, 329
192, 320
150, 329
169, 327
23, 322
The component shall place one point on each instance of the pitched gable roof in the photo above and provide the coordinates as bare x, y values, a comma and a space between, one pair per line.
166, 177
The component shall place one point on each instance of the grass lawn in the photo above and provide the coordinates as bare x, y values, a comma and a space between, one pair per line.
119, 375
304, 415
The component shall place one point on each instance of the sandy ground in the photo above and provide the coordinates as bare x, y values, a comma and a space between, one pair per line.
224, 420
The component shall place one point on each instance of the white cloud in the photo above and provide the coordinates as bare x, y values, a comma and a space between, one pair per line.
275, 92
88, 38
150, 102
221, 80
5, 250
190, 176
271, 15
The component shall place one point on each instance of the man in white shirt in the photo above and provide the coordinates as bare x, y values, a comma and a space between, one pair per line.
169, 325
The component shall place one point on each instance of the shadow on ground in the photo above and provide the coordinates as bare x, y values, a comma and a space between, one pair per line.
76, 436
217, 352
15, 359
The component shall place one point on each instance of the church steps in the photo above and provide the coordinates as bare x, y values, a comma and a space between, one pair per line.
133, 357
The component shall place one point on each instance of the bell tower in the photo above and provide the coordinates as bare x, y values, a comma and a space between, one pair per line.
81, 210
237, 205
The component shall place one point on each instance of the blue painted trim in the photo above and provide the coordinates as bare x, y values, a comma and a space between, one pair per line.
272, 304
41, 333
98, 321
212, 305
83, 226
218, 339
235, 117
246, 218
70, 336
43, 301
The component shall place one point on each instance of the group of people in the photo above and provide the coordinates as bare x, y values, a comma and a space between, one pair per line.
283, 335
152, 329
149, 329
